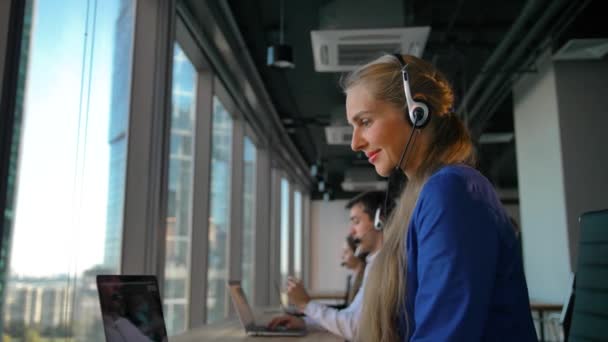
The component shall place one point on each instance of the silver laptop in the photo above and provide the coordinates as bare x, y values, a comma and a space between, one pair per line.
246, 315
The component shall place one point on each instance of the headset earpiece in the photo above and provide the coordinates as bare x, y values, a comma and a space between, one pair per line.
378, 222
418, 112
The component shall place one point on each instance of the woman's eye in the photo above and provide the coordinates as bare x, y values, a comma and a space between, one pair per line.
365, 122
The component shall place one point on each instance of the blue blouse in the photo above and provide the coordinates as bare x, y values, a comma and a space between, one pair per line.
465, 279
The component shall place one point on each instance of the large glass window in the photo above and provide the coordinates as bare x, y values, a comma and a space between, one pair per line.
249, 189
297, 234
284, 230
179, 193
219, 220
70, 191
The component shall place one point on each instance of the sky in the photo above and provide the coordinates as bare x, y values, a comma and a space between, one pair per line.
62, 184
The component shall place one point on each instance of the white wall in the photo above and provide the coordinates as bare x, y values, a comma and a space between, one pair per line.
561, 117
582, 89
541, 187
328, 229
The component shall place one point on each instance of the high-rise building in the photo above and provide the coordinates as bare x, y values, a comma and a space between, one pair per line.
117, 135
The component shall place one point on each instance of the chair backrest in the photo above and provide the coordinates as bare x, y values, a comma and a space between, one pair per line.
565, 319
590, 311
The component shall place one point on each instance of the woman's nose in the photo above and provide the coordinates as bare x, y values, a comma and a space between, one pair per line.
357, 142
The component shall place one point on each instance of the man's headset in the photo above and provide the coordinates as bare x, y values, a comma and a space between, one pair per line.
378, 221
378, 226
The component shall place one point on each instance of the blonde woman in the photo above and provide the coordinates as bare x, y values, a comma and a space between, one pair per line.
450, 268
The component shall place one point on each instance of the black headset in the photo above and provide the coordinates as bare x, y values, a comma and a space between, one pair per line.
418, 112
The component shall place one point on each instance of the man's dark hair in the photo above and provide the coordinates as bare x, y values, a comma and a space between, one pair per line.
370, 200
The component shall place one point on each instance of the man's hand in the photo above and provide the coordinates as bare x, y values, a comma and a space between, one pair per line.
287, 321
296, 293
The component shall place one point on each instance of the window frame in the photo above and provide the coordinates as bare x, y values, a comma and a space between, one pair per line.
145, 200
158, 25
247, 135
157, 28
297, 188
233, 245
201, 175
263, 229
306, 256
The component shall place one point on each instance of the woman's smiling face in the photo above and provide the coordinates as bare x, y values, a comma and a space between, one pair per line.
379, 129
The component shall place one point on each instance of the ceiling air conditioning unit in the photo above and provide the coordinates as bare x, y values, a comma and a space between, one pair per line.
338, 135
362, 179
592, 48
344, 50
496, 138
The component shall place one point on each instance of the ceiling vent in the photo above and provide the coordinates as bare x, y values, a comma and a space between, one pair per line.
496, 138
338, 135
344, 50
574, 49
362, 179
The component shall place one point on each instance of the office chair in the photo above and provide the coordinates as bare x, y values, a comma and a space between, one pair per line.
345, 302
590, 310
566, 316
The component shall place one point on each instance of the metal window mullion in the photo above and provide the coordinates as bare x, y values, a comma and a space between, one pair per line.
262, 228
306, 242
234, 252
5, 19
297, 189
200, 199
147, 144
275, 235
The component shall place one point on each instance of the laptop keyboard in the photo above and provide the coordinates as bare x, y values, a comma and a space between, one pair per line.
265, 328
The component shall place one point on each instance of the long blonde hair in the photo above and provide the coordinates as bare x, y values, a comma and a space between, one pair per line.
449, 143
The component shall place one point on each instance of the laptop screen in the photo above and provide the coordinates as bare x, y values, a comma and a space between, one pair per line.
131, 308
240, 303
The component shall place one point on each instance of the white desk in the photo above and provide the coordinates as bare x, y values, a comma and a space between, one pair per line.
232, 330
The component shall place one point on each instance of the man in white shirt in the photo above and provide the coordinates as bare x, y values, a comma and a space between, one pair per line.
363, 212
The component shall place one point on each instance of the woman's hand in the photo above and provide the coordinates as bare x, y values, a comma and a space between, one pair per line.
296, 293
287, 321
